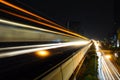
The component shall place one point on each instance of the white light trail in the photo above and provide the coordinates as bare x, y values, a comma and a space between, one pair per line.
29, 26
30, 46
106, 69
113, 68
27, 51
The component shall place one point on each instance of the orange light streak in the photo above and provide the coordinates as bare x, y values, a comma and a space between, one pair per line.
25, 11
32, 20
1, 0
26, 18
29, 19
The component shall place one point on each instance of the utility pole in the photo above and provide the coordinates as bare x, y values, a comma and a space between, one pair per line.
68, 24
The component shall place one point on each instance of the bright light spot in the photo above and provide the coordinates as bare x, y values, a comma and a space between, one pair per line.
108, 56
118, 43
116, 55
38, 49
99, 53
80, 42
43, 53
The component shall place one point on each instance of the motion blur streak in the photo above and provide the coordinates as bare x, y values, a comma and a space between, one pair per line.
26, 18
113, 68
25, 11
30, 46
19, 52
106, 69
31, 27
1, 0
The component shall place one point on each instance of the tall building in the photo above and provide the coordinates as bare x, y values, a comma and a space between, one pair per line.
116, 14
115, 36
117, 22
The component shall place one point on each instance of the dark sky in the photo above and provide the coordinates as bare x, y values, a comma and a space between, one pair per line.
95, 16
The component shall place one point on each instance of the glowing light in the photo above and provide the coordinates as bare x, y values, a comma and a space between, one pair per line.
32, 27
108, 56
32, 20
80, 43
25, 11
106, 69
46, 47
116, 55
26, 18
1, 0
43, 53
32, 14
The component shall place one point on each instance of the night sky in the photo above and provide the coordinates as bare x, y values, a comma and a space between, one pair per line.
95, 16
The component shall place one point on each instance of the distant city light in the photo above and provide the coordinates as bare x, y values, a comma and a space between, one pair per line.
116, 55
118, 43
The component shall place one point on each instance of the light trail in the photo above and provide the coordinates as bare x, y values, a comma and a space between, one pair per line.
25, 11
26, 18
113, 68
106, 69
27, 51
30, 46
29, 19
104, 73
31, 27
1, 0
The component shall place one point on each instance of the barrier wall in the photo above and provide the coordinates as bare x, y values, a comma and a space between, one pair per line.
65, 70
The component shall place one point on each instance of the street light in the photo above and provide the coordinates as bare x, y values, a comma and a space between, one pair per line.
116, 54
108, 56
42, 53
